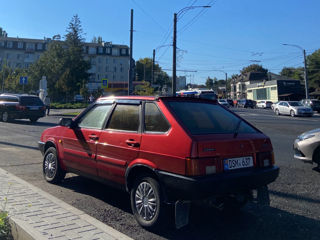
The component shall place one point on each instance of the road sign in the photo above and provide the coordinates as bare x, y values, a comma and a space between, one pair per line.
104, 83
23, 80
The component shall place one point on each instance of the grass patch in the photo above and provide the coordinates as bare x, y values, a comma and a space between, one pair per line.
71, 114
68, 105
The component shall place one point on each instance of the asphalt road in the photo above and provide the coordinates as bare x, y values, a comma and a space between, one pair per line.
294, 212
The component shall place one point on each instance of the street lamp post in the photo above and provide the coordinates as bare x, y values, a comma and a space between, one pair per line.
305, 66
174, 55
154, 59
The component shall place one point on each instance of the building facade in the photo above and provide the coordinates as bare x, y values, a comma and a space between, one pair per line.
109, 61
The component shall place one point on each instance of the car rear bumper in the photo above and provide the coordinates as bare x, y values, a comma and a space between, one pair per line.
191, 188
26, 115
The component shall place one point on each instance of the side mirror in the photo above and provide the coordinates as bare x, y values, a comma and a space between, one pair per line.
67, 122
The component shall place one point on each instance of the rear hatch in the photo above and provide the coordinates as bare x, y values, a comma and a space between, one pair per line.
32, 104
222, 141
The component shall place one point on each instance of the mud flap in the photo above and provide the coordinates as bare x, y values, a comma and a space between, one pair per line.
182, 209
263, 196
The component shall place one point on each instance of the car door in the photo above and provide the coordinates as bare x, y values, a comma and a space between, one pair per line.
119, 142
286, 109
80, 143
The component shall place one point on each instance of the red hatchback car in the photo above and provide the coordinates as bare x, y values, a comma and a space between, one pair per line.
162, 150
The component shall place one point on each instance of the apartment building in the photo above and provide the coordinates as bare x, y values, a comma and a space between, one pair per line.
108, 61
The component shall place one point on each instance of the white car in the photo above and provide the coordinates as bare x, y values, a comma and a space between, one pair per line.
224, 102
293, 109
264, 104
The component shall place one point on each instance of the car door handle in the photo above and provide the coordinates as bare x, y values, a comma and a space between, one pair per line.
132, 143
93, 137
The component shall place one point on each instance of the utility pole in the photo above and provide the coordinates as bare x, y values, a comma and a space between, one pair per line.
305, 74
174, 64
130, 56
153, 59
305, 66
226, 84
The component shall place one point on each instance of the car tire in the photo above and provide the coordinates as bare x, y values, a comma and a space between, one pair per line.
277, 112
34, 119
292, 114
5, 117
148, 209
52, 171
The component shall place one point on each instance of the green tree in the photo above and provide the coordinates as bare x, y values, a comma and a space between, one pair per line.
209, 83
313, 63
144, 89
143, 72
253, 68
294, 73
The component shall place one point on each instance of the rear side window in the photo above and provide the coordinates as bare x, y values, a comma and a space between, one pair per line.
30, 101
154, 121
205, 118
125, 117
95, 118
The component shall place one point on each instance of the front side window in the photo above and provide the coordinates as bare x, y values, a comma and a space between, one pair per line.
204, 118
95, 118
125, 117
154, 120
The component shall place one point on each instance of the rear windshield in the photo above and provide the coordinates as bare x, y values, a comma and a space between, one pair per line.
206, 118
30, 101
8, 99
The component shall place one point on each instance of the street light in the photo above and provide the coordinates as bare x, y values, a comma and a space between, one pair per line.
305, 66
174, 62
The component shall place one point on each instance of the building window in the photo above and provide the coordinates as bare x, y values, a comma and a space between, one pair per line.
115, 69
18, 56
121, 68
107, 68
84, 49
9, 44
273, 88
123, 51
115, 52
114, 61
1, 43
106, 76
108, 50
20, 45
39, 46
100, 50
107, 61
30, 46
92, 50
99, 59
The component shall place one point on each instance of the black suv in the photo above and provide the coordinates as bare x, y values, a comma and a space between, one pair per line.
312, 103
246, 103
19, 106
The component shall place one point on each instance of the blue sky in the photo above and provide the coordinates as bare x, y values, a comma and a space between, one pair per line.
228, 36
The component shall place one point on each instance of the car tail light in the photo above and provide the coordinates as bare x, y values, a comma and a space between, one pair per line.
265, 159
202, 166
43, 108
21, 108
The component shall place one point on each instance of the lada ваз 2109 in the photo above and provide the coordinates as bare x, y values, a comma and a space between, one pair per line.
164, 150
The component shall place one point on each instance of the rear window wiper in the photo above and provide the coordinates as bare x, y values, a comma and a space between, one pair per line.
237, 128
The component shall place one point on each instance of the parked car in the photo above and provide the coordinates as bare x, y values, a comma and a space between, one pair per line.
198, 93
273, 105
21, 106
307, 146
293, 109
162, 150
312, 103
264, 104
231, 103
245, 103
224, 103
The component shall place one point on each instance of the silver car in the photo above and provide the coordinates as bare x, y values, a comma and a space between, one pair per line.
224, 102
292, 108
307, 146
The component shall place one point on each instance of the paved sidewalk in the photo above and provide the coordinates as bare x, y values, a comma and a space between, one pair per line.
39, 215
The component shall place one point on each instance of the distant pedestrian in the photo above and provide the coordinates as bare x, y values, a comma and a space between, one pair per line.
91, 99
47, 102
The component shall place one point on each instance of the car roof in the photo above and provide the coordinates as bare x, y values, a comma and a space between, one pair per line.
17, 95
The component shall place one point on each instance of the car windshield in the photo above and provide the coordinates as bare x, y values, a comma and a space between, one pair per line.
295, 104
205, 118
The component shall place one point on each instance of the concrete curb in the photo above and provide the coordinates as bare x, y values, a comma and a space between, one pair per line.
24, 227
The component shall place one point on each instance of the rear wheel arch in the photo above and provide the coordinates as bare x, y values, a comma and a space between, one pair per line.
316, 155
137, 171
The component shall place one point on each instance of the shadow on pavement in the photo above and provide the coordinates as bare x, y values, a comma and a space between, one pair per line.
253, 222
27, 122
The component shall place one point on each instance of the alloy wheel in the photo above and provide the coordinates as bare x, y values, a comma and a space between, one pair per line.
50, 165
146, 201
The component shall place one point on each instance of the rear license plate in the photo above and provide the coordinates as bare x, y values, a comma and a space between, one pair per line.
236, 163
34, 108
